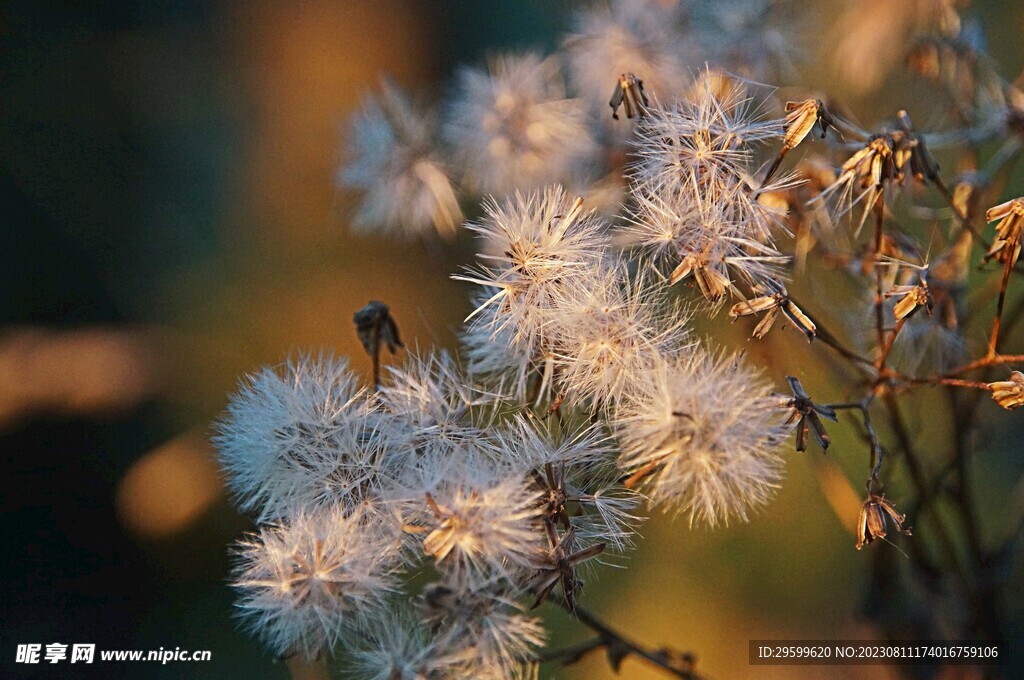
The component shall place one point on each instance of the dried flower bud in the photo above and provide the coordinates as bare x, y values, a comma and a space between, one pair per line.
874, 160
801, 118
374, 324
1009, 393
874, 518
807, 412
1006, 247
629, 94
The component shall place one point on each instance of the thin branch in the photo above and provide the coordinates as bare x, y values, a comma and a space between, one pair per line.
993, 342
617, 646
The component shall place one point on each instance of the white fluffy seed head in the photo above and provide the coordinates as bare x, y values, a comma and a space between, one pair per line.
512, 128
486, 625
404, 182
702, 432
477, 521
574, 469
304, 434
395, 645
610, 331
693, 193
434, 402
306, 581
535, 246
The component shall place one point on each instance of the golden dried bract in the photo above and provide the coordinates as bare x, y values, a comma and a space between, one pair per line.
712, 283
1006, 247
801, 118
1009, 393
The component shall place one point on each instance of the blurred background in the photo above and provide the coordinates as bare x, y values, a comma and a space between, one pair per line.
169, 222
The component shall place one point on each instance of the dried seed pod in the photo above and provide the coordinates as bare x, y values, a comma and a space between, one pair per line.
712, 283
806, 415
875, 515
1009, 393
911, 298
629, 94
777, 300
374, 324
801, 118
1006, 247
911, 151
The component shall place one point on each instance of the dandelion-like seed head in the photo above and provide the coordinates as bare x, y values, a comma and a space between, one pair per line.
477, 522
702, 140
303, 582
406, 191
576, 478
708, 241
535, 246
512, 128
613, 331
432, 398
303, 433
486, 624
702, 433
396, 646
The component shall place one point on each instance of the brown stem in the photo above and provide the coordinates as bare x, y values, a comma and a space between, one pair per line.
875, 454
570, 655
888, 343
618, 647
376, 355
924, 491
879, 210
999, 308
774, 167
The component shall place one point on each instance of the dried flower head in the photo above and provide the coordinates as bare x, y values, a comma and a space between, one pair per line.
863, 178
557, 566
629, 95
374, 324
801, 117
776, 301
911, 298
875, 515
1006, 247
806, 416
1009, 393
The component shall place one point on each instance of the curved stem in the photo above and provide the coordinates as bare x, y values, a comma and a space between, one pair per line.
617, 646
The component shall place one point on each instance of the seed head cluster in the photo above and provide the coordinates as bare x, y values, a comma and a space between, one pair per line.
415, 525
